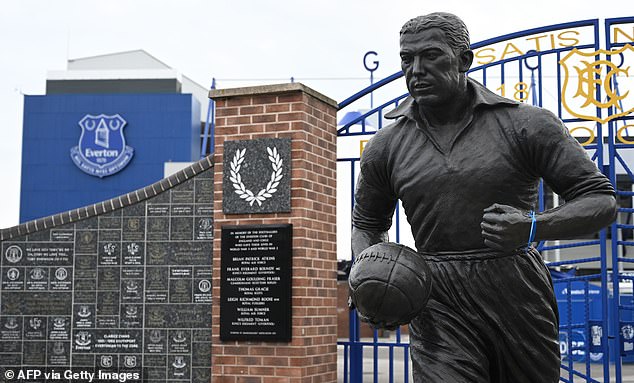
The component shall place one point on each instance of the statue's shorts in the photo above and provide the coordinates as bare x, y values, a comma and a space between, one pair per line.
491, 318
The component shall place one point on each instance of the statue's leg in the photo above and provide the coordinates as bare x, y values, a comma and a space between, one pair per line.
490, 319
443, 349
526, 321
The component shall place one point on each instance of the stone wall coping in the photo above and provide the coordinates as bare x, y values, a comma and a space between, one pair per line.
216, 94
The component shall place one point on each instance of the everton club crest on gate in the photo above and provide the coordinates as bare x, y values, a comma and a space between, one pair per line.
102, 150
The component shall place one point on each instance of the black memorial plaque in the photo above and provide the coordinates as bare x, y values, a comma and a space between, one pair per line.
124, 291
257, 176
255, 287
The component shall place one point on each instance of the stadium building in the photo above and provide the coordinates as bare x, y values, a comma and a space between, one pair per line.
107, 125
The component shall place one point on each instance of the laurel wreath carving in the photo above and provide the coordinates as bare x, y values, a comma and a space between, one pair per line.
271, 187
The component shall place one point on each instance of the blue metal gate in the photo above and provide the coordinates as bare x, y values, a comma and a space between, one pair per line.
562, 68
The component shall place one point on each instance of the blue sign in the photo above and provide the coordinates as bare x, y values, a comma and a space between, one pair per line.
573, 345
102, 150
596, 336
627, 338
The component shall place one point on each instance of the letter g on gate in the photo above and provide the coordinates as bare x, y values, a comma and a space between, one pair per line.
375, 63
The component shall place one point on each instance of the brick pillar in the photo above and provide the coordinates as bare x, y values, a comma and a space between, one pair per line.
309, 120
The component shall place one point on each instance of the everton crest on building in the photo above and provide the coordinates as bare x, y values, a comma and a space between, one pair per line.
102, 150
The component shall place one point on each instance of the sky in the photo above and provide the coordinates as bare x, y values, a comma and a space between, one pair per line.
239, 43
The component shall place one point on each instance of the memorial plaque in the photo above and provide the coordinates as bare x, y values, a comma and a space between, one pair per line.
42, 235
155, 341
204, 228
190, 253
133, 253
201, 375
178, 367
87, 242
61, 278
201, 355
109, 235
109, 253
187, 210
13, 278
133, 228
179, 342
126, 291
84, 316
158, 210
58, 353
108, 278
182, 196
84, 360
137, 210
257, 176
87, 224
201, 196
182, 228
156, 253
109, 222
33, 354
255, 288
35, 328
62, 235
158, 229
155, 360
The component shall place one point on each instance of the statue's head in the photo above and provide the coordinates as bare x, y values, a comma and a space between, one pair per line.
453, 27
435, 57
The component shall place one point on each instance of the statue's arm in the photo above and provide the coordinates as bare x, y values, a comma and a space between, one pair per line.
583, 215
505, 227
372, 214
550, 152
374, 197
374, 204
362, 239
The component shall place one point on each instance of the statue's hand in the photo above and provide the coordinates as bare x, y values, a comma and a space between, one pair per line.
378, 325
375, 325
505, 227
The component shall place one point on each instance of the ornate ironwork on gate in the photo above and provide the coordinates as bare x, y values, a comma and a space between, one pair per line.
585, 75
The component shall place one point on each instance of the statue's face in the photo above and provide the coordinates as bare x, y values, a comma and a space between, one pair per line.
433, 71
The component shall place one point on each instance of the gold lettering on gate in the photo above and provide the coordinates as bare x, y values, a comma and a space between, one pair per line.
620, 32
362, 144
591, 135
619, 134
590, 77
519, 47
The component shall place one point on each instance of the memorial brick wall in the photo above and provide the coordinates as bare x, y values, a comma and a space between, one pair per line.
308, 119
119, 289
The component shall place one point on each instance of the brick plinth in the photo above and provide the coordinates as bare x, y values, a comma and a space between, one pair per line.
309, 120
